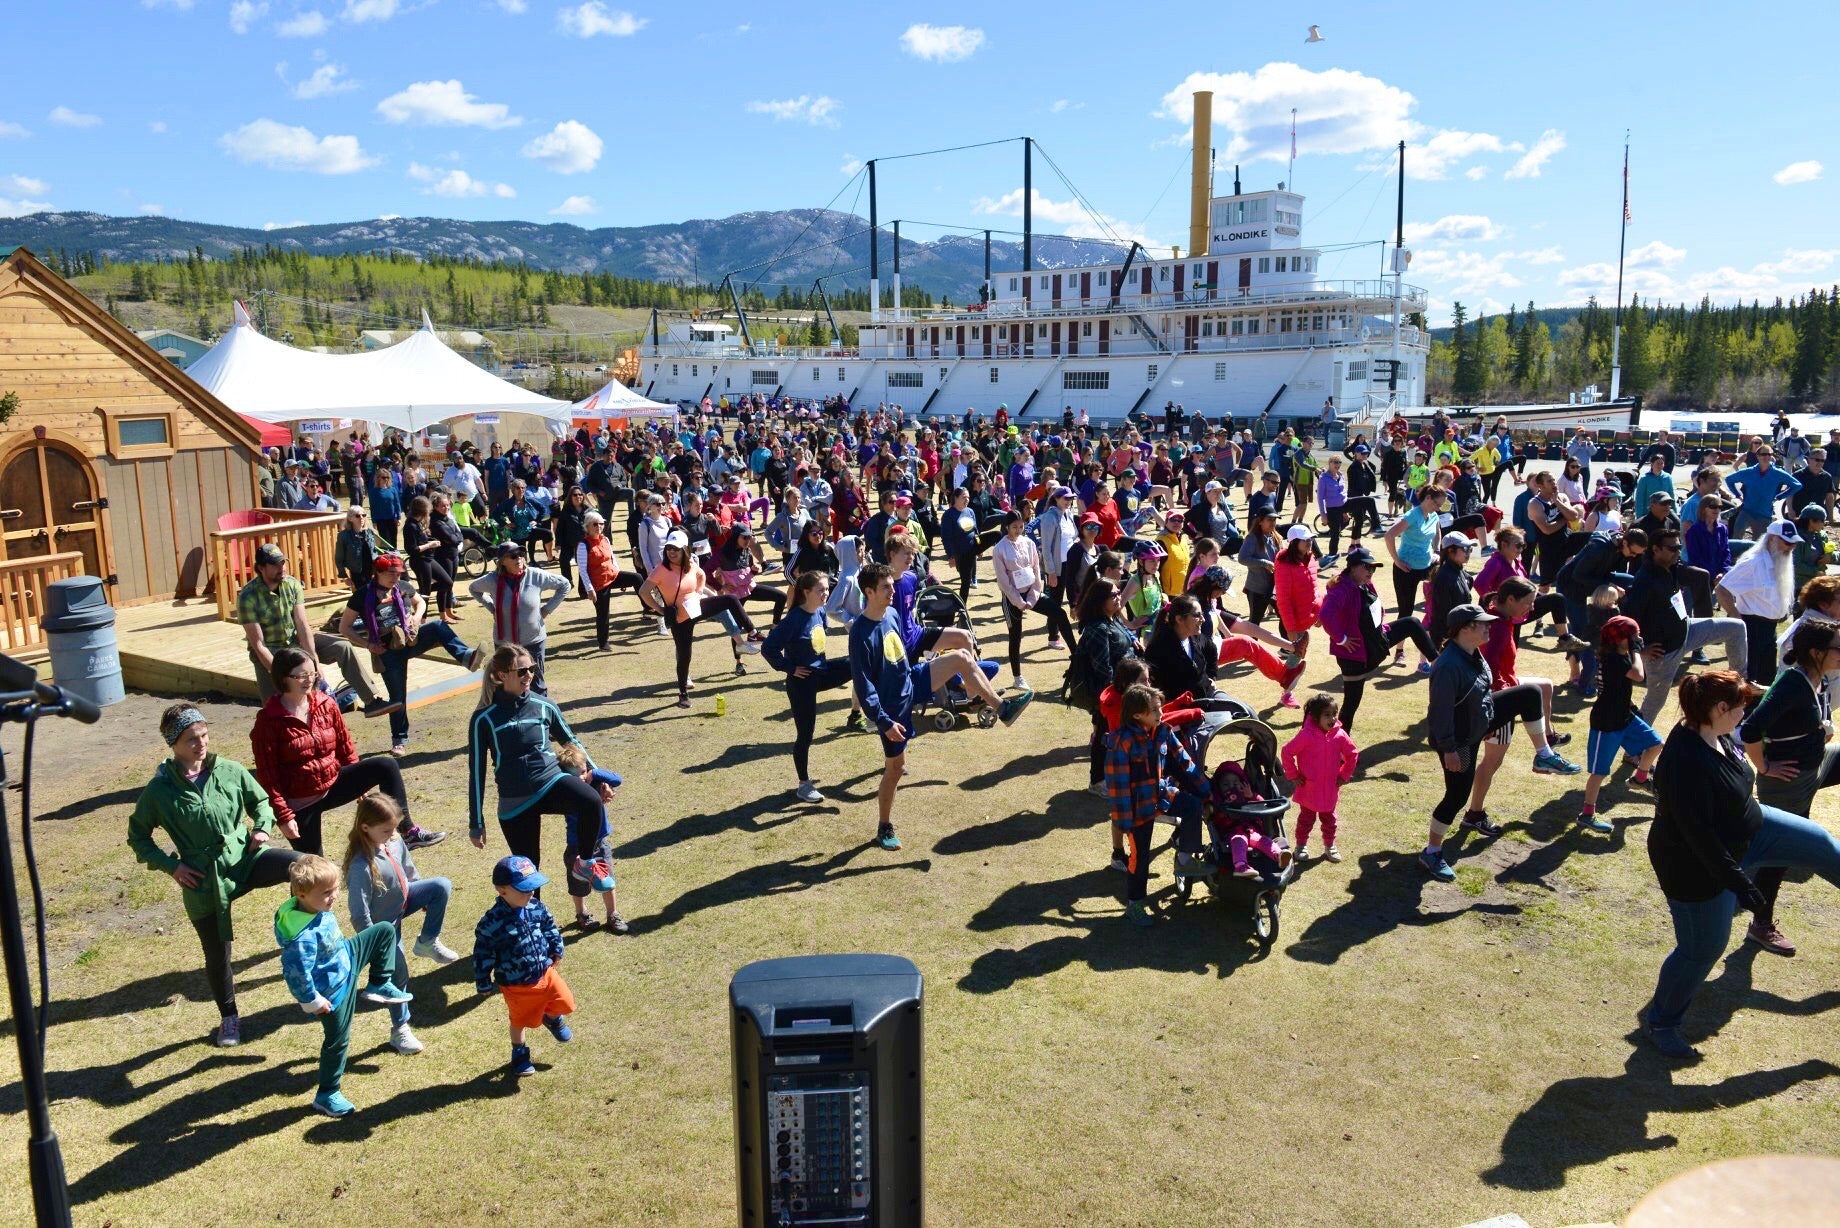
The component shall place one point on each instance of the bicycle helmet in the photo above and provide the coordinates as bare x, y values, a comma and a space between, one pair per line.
1149, 550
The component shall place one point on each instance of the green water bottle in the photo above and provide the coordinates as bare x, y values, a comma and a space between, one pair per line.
721, 705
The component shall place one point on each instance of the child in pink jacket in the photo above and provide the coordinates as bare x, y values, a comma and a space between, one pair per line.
1319, 760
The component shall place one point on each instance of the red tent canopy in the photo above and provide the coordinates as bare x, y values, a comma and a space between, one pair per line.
274, 434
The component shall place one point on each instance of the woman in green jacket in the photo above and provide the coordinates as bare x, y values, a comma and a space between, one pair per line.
200, 801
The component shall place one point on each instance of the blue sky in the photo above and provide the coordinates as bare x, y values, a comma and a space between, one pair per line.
622, 112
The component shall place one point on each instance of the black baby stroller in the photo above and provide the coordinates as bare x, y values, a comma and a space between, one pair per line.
1249, 790
939, 606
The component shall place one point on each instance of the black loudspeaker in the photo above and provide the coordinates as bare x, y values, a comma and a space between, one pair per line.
828, 1091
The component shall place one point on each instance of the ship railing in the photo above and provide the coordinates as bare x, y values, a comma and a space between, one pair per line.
1122, 344
1327, 292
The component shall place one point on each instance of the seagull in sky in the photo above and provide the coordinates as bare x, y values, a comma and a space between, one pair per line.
1315, 35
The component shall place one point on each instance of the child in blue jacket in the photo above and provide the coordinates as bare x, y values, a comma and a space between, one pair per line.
318, 962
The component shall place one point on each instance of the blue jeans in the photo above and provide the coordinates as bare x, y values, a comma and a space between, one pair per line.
429, 897
393, 664
1703, 928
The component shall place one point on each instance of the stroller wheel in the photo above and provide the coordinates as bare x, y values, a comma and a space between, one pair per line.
986, 717
945, 720
1183, 887
1265, 918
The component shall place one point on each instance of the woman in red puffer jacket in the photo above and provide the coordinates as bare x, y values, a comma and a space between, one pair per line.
307, 762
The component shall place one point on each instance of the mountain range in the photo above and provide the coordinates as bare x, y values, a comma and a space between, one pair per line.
791, 246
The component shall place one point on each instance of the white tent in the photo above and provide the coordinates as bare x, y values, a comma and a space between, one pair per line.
409, 385
616, 400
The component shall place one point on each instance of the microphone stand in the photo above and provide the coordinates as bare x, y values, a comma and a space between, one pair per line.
23, 700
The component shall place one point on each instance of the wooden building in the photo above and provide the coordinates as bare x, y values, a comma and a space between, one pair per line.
114, 454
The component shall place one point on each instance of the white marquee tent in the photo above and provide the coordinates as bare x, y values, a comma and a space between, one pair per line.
616, 400
411, 384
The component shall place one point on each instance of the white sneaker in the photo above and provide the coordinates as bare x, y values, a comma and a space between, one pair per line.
808, 792
661, 630
1332, 854
403, 1040
436, 950
1017, 684
1097, 789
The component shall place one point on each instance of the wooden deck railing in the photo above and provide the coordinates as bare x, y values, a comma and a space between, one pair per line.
307, 538
22, 596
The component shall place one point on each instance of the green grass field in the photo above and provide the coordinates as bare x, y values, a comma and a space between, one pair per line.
1407, 1053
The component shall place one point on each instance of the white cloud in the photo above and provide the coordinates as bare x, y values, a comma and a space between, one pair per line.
1528, 166
1069, 215
1545, 255
941, 44
12, 131
513, 6
156, 126
1798, 172
806, 109
360, 11
851, 164
25, 185
282, 225
311, 23
245, 13
1462, 274
1453, 228
68, 118
592, 18
1338, 111
575, 206
1436, 156
19, 208
1064, 104
457, 183
153, 210
568, 149
184, 6
326, 79
1476, 172
263, 142
445, 102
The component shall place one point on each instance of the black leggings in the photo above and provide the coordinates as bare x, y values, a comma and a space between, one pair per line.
1760, 637
434, 578
1491, 483
627, 580
1096, 750
1406, 586
767, 594
803, 693
684, 633
379, 772
967, 563
1696, 583
575, 800
1354, 687
1337, 517
1362, 508
1515, 703
270, 870
1260, 604
1058, 627
1548, 605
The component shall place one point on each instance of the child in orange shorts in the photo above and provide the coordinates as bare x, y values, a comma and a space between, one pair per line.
516, 948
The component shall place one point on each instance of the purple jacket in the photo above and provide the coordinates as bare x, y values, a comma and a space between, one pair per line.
1342, 617
1709, 547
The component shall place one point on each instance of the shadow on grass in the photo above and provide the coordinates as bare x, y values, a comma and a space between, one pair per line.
1584, 1121
184, 984
1060, 756
1386, 894
746, 817
487, 1085
1072, 809
1085, 905
110, 1086
87, 805
773, 878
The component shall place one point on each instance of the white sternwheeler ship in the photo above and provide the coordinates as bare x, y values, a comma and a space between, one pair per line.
1237, 325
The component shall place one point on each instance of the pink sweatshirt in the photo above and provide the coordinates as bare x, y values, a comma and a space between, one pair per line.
1319, 763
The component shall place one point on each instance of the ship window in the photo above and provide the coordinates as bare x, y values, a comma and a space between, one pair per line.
942, 375
1284, 322
1279, 267
1012, 285
1252, 326
673, 370
692, 370
1316, 324
840, 375
906, 379
1043, 283
1264, 264
1207, 328
1220, 371
994, 374
1085, 381
1357, 370
1163, 273
1086, 329
816, 374
1239, 327
764, 379
1150, 374
974, 332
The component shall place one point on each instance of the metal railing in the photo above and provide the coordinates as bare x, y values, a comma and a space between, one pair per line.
1119, 345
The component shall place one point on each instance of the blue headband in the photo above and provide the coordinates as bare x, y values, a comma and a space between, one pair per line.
182, 720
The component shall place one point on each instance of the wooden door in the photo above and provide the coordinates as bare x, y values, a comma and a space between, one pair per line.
51, 503
1146, 283
1054, 289
1190, 329
1180, 269
1054, 337
1105, 336
1213, 276
910, 343
1085, 286
961, 340
1245, 274
986, 330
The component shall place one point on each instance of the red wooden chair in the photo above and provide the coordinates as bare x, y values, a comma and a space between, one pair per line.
243, 550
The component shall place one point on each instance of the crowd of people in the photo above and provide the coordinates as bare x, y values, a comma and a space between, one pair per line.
1124, 546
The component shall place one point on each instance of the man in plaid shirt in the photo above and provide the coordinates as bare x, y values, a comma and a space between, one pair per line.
1148, 773
273, 612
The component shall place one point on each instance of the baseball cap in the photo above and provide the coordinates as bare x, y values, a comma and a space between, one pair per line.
1453, 540
1361, 556
1300, 533
1783, 529
1813, 509
511, 550
1211, 486
269, 555
1361, 449
1090, 521
903, 500
1062, 492
1054, 441
518, 872
678, 538
388, 561
1660, 496
1620, 628
1463, 615
1219, 577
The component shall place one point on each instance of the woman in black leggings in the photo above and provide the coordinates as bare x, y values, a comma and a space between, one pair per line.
677, 592
1358, 639
797, 648
1463, 714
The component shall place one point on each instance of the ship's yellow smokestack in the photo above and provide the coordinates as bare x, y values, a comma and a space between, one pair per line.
1199, 188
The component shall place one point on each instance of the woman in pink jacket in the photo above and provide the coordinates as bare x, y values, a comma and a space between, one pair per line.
1320, 760
1298, 591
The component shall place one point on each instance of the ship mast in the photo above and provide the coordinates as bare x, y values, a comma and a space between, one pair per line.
875, 253
1616, 330
1399, 273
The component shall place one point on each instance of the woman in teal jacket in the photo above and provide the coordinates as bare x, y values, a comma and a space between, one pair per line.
200, 801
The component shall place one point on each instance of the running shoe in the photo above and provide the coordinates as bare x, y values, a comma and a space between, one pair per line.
617, 924
1287, 700
1097, 789
1137, 913
229, 1033
1670, 1042
1432, 862
855, 723
1329, 561
1290, 680
559, 1028
436, 950
1301, 854
474, 660
404, 1042
603, 875
387, 994
333, 1104
1424, 668
521, 1064
808, 792
1191, 865
1246, 871
1592, 821
1770, 939
1017, 684
1550, 762
420, 837
749, 646
1478, 822
1699, 657
1332, 853
1558, 739
1571, 643
886, 838
399, 749
1119, 863
1012, 707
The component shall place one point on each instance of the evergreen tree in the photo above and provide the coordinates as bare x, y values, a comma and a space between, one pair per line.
1638, 367
1699, 363
1466, 382
1522, 372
